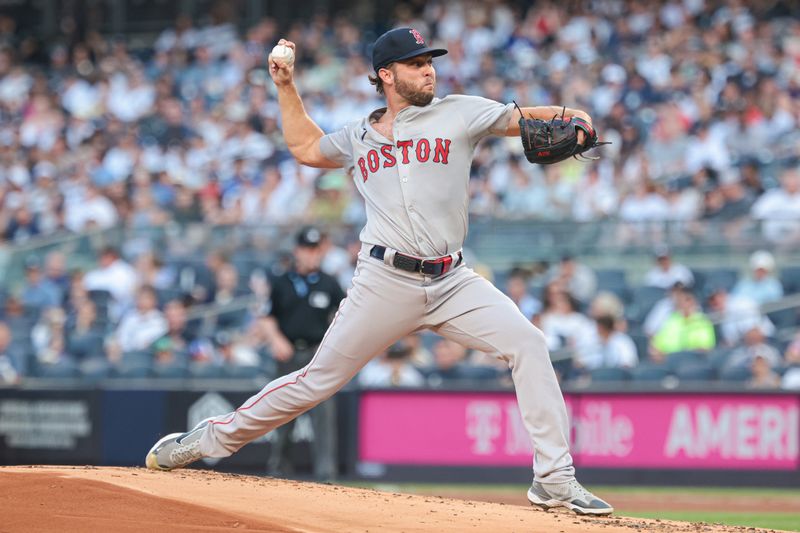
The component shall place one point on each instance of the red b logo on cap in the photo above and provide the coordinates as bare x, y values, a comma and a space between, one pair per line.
417, 36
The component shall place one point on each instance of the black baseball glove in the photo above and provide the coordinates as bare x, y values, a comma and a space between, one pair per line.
550, 141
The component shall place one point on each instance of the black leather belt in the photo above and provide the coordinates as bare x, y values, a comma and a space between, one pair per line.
430, 267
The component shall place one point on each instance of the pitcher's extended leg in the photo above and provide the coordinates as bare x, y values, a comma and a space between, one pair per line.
379, 309
470, 310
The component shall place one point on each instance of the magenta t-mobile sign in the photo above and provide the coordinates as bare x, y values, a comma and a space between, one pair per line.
623, 431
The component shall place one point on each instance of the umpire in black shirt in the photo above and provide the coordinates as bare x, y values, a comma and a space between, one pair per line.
303, 303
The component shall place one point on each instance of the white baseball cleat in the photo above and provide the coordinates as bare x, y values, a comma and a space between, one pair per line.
569, 494
176, 450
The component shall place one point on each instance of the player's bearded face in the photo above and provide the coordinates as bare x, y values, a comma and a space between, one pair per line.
417, 92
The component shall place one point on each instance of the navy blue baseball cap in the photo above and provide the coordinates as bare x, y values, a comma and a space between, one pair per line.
309, 236
400, 44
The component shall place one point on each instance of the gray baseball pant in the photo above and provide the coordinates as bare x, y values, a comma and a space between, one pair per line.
386, 304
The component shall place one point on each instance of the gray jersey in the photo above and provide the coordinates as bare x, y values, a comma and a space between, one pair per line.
416, 189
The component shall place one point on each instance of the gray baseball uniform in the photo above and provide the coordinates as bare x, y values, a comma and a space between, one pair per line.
416, 190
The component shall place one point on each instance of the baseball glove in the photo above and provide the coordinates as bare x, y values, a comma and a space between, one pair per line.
550, 141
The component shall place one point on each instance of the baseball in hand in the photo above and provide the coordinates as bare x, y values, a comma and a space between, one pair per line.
283, 53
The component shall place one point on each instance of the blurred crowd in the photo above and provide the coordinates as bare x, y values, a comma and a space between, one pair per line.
700, 98
206, 317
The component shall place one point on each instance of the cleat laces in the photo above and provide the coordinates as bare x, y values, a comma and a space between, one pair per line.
185, 454
580, 492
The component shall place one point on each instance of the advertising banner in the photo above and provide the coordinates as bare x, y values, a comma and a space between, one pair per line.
118, 427
60, 426
606, 430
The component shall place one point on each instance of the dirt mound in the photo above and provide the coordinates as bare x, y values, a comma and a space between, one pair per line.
56, 499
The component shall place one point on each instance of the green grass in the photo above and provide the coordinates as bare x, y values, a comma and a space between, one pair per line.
783, 521
787, 521
710, 491
429, 488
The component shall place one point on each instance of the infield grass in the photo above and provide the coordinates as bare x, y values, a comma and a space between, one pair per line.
781, 521
786, 521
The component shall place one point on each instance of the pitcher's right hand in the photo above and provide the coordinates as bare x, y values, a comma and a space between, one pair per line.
282, 74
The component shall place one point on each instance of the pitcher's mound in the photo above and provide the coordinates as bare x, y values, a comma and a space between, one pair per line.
57, 499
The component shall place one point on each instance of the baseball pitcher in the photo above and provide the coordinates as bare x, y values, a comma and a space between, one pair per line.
412, 160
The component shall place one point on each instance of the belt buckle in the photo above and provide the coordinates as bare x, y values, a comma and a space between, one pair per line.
422, 263
445, 262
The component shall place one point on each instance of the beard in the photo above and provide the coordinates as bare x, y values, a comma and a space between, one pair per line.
411, 94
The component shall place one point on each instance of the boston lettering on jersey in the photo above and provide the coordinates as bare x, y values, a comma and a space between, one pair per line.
423, 150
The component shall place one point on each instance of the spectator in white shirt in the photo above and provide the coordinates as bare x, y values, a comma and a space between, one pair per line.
642, 212
579, 279
666, 273
115, 276
143, 325
392, 369
90, 209
736, 315
779, 209
754, 345
706, 150
130, 96
561, 322
595, 198
613, 349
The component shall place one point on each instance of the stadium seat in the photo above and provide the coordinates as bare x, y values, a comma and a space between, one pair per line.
695, 371
613, 280
610, 276
790, 279
95, 368
64, 369
205, 371
136, 364
784, 318
642, 301
649, 372
86, 346
715, 277
676, 360
642, 343
231, 320
242, 371
127, 372
610, 374
719, 356
177, 370
735, 373
20, 352
476, 373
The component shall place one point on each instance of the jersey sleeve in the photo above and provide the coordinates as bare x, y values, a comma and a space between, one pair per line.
482, 116
337, 146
